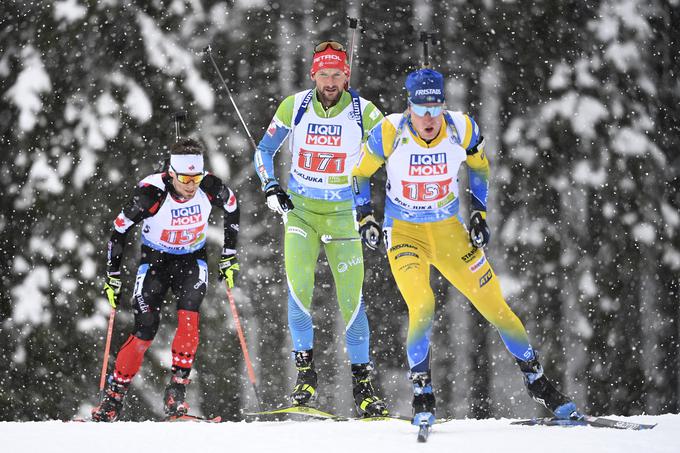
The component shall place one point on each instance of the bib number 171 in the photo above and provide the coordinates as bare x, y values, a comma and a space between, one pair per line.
321, 162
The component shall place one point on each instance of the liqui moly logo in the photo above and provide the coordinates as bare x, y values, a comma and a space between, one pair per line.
186, 216
428, 164
324, 134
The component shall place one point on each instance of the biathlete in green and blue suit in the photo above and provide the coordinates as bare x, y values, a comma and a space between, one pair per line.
325, 127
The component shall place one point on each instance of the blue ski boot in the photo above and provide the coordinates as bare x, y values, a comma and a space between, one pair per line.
544, 392
423, 399
305, 386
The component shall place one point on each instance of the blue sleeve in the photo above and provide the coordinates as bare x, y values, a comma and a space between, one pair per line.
362, 191
266, 150
479, 188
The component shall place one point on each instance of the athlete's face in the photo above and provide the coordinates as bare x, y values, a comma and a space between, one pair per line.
427, 126
330, 84
185, 190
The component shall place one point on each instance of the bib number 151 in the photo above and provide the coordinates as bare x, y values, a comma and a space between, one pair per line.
426, 191
182, 237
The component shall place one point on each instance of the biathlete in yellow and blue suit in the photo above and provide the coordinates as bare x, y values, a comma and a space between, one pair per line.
422, 151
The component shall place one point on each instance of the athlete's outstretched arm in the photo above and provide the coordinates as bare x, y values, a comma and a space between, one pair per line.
276, 134
145, 201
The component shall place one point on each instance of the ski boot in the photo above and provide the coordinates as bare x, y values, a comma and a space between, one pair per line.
542, 391
174, 402
112, 403
423, 399
305, 386
367, 402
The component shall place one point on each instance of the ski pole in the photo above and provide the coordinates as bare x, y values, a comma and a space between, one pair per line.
244, 347
353, 23
327, 238
105, 364
208, 50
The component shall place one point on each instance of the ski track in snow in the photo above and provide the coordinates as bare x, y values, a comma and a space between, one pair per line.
479, 436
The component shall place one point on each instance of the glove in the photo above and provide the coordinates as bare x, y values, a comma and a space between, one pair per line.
112, 287
278, 200
370, 232
228, 269
479, 230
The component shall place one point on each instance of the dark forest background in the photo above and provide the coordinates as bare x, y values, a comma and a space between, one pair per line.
578, 101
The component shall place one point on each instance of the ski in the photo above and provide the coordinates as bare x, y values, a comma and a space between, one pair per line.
383, 418
585, 420
314, 413
193, 418
176, 418
307, 411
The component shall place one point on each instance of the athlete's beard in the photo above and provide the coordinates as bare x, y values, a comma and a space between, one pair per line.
326, 100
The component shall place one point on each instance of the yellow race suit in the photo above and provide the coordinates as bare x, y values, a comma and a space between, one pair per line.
423, 227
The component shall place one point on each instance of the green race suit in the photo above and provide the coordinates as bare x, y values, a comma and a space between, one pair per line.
325, 145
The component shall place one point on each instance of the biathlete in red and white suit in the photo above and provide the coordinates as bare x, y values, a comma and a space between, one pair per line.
174, 207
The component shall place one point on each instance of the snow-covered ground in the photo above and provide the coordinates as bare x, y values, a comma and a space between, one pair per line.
478, 436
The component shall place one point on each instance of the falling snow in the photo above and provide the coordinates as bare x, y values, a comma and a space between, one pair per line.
578, 103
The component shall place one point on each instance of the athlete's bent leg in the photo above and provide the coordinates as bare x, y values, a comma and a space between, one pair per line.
468, 269
301, 254
150, 288
410, 264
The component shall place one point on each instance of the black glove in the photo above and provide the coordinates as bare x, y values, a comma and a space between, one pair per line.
228, 269
369, 230
479, 230
278, 200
